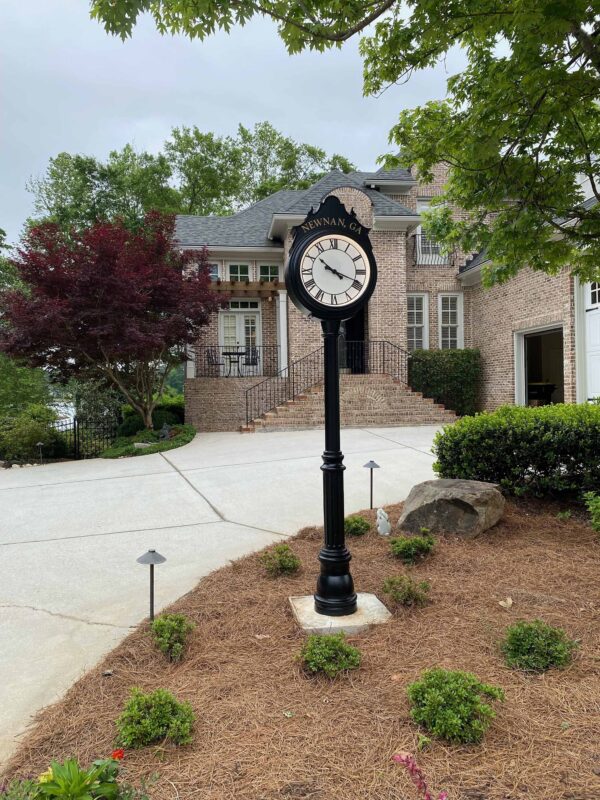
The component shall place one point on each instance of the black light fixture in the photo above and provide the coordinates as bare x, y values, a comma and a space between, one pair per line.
371, 465
39, 446
152, 558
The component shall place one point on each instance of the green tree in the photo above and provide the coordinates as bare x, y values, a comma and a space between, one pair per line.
78, 190
519, 127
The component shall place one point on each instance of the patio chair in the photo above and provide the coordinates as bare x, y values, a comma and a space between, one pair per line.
251, 358
213, 357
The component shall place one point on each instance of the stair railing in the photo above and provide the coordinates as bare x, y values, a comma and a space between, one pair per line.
359, 358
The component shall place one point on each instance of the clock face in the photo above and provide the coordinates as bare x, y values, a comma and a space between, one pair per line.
335, 270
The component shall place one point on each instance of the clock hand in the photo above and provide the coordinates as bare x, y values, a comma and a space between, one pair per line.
335, 271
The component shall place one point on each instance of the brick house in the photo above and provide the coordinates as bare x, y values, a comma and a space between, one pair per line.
259, 362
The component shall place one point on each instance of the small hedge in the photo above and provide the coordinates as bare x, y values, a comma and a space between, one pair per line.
356, 525
124, 446
330, 654
527, 450
451, 704
170, 632
280, 560
536, 646
170, 410
405, 591
410, 549
451, 377
155, 717
592, 503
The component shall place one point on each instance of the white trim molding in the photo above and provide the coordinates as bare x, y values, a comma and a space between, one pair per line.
282, 328
519, 357
460, 324
425, 296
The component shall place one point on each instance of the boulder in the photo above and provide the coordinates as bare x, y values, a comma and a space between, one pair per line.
466, 508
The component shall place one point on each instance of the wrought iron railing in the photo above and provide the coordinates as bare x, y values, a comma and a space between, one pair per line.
426, 251
85, 438
358, 358
216, 361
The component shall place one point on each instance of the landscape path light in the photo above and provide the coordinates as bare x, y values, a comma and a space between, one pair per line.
39, 446
152, 558
371, 465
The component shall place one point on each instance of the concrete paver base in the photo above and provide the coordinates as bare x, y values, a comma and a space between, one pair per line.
370, 611
70, 534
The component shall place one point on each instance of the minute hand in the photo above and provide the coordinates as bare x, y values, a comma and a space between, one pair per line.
335, 271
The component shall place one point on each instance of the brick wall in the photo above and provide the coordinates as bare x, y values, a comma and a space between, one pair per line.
433, 281
217, 404
529, 300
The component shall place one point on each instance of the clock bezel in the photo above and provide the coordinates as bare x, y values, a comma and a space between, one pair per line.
302, 298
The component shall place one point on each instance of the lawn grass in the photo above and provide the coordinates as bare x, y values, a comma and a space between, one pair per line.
267, 731
124, 445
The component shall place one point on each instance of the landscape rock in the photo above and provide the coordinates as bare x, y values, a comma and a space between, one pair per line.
466, 508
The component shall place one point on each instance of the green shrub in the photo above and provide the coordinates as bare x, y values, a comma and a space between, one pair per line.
405, 591
280, 560
170, 410
330, 654
450, 704
451, 377
170, 634
27, 789
154, 717
592, 503
20, 434
526, 450
356, 525
536, 646
123, 446
410, 549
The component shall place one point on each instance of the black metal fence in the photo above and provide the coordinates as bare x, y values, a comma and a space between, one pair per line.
359, 358
216, 361
86, 438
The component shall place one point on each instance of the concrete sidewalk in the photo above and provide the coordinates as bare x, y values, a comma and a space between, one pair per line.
70, 534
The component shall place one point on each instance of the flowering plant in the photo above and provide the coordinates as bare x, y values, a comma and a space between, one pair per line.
408, 761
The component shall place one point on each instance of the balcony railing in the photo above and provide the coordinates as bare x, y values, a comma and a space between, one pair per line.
217, 361
427, 251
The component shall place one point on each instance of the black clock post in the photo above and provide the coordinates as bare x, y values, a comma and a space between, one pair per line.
330, 275
335, 593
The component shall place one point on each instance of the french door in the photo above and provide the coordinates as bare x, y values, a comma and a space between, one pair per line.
239, 339
592, 339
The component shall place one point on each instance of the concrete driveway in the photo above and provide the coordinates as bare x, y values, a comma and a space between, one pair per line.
70, 534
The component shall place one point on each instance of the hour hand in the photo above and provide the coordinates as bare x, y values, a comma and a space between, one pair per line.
331, 269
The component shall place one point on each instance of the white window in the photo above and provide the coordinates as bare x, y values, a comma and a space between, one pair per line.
239, 305
450, 321
427, 250
213, 271
595, 294
268, 272
239, 272
417, 322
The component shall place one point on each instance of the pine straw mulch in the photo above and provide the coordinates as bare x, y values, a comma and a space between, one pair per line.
265, 731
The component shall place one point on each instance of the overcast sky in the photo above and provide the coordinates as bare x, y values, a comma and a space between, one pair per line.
68, 86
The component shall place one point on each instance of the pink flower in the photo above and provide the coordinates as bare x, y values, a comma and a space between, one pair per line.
408, 762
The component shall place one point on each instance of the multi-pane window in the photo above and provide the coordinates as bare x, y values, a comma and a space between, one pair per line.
213, 271
595, 293
450, 323
416, 331
242, 304
239, 272
269, 272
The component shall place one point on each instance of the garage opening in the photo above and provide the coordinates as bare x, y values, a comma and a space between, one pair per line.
544, 368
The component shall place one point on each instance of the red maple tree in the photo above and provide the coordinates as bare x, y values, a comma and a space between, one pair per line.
106, 301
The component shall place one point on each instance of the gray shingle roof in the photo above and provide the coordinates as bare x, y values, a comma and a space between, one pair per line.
383, 174
475, 261
250, 227
247, 228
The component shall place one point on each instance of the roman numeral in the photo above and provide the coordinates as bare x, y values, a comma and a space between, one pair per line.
319, 294
357, 258
310, 284
361, 271
348, 295
307, 270
320, 247
347, 247
334, 300
357, 285
333, 244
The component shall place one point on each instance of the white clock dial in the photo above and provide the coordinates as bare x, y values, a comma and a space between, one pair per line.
335, 270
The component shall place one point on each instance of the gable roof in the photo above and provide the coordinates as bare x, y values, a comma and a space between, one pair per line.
251, 227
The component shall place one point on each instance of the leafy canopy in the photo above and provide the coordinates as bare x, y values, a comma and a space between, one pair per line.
197, 172
107, 303
519, 127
